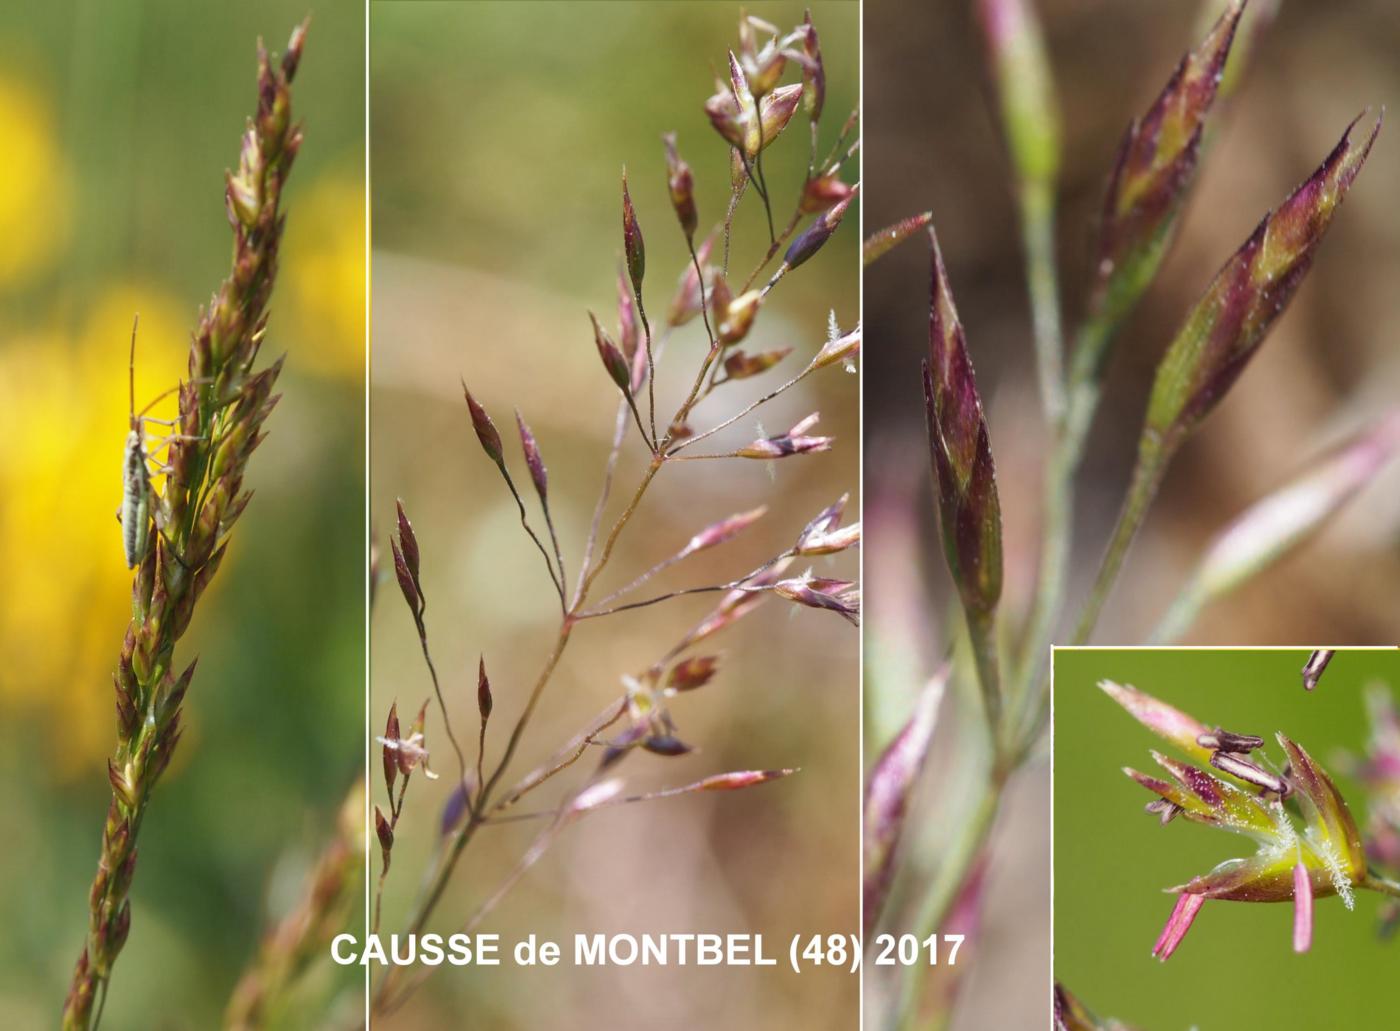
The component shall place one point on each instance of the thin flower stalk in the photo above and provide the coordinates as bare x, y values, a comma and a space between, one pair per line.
1030, 121
222, 409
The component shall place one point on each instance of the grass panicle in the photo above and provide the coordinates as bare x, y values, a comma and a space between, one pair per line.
750, 112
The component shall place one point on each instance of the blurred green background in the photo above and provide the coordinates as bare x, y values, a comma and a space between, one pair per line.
118, 121
498, 135
1236, 967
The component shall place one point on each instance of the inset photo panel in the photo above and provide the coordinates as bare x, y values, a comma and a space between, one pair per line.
615, 687
1227, 836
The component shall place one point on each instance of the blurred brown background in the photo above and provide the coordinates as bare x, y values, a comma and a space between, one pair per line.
932, 142
496, 228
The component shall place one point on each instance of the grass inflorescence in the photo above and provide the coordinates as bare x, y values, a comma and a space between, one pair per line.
188, 520
753, 110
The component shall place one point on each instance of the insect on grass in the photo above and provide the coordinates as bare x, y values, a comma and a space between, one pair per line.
138, 508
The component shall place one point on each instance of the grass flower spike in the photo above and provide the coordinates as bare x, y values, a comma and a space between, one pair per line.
1223, 333
1151, 179
1247, 296
1307, 844
964, 478
221, 413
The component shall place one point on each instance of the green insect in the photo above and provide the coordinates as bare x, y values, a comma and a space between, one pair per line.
139, 508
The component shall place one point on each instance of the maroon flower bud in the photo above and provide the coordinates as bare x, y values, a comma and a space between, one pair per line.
633, 247
795, 441
667, 745
1153, 174
533, 461
385, 834
813, 70
389, 755
613, 361
681, 182
1315, 666
815, 235
724, 530
739, 779
483, 691
969, 511
404, 576
741, 366
485, 428
822, 191
408, 542
696, 671
1230, 322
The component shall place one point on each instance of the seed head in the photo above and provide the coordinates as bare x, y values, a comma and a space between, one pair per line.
681, 182
740, 365
533, 460
965, 479
485, 428
696, 671
1153, 174
813, 70
724, 530
633, 246
763, 67
613, 361
483, 690
1248, 295
822, 191
795, 441
816, 234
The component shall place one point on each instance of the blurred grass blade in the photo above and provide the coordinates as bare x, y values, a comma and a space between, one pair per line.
887, 792
1024, 87
1025, 90
1281, 522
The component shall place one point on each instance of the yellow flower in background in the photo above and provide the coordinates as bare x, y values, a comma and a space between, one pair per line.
60, 542
323, 274
34, 186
